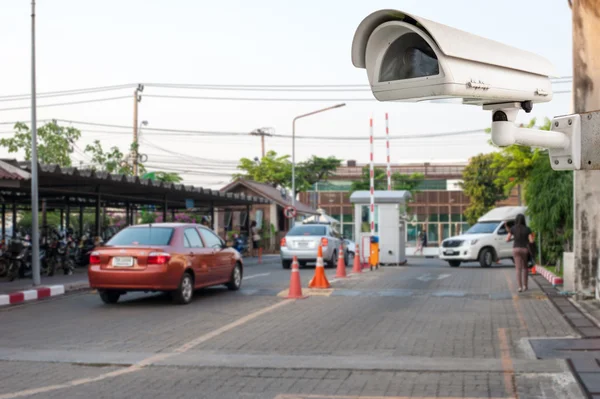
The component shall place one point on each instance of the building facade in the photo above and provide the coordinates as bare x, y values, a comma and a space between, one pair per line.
438, 206
270, 218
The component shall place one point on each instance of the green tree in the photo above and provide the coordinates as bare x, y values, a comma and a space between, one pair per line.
164, 177
399, 181
481, 185
112, 161
271, 169
54, 142
516, 162
314, 170
549, 198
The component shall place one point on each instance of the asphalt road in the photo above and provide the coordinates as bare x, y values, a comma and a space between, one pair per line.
424, 330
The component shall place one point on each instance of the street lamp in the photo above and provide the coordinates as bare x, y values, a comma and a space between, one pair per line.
294, 144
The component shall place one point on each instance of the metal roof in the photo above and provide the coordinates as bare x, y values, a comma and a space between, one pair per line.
272, 194
381, 197
74, 182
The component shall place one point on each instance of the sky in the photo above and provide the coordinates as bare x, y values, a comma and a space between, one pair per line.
84, 44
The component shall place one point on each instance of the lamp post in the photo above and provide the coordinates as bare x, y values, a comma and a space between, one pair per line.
35, 239
294, 144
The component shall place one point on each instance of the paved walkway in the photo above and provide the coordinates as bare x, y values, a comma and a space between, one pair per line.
420, 331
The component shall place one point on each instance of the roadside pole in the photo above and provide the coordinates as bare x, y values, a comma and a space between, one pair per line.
35, 228
586, 98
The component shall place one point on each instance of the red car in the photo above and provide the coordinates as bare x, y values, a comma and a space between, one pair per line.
172, 257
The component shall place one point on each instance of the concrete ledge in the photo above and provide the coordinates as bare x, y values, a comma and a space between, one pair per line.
31, 295
548, 275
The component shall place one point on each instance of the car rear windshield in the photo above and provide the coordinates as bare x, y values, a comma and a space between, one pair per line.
307, 231
142, 236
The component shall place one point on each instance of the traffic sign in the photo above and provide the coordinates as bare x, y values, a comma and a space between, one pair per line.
290, 212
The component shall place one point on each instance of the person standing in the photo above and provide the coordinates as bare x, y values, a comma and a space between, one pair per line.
255, 238
419, 243
205, 222
522, 238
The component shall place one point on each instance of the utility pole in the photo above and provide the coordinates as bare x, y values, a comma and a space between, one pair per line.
262, 132
586, 98
35, 228
137, 98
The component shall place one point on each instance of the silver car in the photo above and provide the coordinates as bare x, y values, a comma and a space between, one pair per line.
303, 242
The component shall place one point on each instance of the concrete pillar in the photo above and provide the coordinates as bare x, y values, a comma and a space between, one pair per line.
586, 98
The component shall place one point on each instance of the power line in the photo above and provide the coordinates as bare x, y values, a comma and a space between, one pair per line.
274, 99
228, 87
284, 87
61, 93
67, 103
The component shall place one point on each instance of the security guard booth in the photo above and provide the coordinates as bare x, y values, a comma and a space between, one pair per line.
390, 225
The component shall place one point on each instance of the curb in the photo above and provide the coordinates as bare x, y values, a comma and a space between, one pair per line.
31, 295
548, 275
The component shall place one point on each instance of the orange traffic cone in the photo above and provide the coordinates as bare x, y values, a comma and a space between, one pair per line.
533, 270
320, 279
341, 266
295, 284
357, 268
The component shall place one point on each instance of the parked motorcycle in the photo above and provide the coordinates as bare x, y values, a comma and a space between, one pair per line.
58, 256
240, 243
4, 260
21, 262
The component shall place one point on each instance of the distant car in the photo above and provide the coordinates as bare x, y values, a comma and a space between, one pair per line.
172, 257
303, 241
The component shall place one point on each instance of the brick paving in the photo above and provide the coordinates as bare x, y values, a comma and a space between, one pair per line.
425, 317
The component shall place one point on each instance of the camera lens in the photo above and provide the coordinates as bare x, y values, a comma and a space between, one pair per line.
408, 57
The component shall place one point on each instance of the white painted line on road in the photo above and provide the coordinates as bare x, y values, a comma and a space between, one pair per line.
148, 361
429, 277
426, 277
256, 275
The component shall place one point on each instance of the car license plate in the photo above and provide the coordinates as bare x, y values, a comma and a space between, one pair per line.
124, 261
449, 253
302, 245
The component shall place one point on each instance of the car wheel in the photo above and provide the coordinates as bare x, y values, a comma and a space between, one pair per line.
486, 257
454, 263
183, 295
286, 264
109, 297
333, 261
236, 278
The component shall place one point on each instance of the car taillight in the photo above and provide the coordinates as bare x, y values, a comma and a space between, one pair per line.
158, 258
283, 243
94, 258
324, 241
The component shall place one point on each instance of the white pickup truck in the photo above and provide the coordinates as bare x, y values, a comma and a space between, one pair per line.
485, 242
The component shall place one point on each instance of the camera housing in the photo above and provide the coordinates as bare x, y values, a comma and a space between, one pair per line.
409, 58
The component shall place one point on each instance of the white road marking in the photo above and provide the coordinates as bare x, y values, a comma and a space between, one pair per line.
148, 361
426, 277
256, 275
429, 277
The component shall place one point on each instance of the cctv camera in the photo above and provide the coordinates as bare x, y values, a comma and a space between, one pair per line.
409, 58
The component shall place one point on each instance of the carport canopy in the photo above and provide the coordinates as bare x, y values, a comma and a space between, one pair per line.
60, 187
